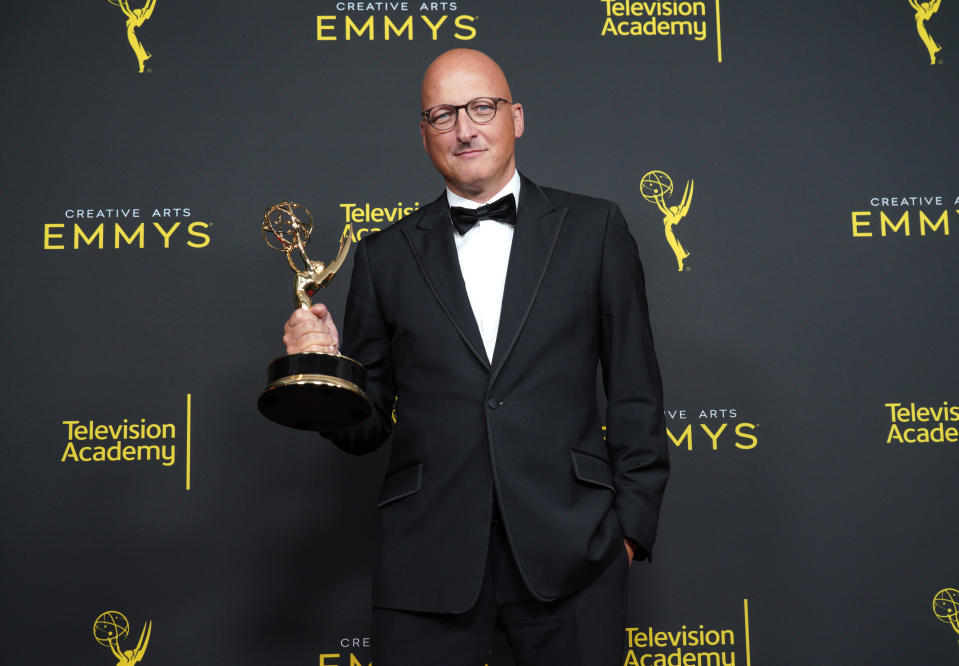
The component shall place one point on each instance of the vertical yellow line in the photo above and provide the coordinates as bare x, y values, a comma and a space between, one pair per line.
746, 615
188, 451
719, 36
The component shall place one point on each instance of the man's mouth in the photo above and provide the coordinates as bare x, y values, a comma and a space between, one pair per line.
469, 153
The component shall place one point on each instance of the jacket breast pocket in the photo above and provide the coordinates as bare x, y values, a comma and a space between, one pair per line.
592, 470
554, 290
401, 483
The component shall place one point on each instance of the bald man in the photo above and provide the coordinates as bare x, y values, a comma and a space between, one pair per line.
485, 315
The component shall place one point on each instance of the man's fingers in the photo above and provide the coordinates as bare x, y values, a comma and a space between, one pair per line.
298, 328
315, 338
313, 341
311, 330
300, 317
326, 349
323, 314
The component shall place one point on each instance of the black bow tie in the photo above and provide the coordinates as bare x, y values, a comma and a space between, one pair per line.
501, 210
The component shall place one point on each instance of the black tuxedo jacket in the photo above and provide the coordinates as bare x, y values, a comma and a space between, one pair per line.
526, 426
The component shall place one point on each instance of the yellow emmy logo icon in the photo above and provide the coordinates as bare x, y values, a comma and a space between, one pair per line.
946, 607
111, 627
924, 12
136, 18
656, 187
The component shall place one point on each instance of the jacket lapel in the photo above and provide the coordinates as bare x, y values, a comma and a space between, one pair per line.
538, 226
432, 244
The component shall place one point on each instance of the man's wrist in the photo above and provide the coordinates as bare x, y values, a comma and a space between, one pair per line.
636, 551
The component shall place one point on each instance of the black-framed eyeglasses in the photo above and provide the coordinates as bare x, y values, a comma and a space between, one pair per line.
481, 110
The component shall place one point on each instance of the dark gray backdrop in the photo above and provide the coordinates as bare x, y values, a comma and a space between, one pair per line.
838, 540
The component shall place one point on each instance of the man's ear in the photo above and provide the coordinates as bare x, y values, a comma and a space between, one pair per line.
519, 121
423, 134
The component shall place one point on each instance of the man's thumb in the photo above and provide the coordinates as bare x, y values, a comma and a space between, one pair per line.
320, 310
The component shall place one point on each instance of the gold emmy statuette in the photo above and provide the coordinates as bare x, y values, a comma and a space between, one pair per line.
946, 607
135, 19
656, 187
111, 627
311, 390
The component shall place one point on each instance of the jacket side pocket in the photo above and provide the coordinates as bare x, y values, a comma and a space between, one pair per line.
401, 483
592, 469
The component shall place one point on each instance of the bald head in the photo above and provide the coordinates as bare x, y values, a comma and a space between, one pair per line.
455, 72
475, 158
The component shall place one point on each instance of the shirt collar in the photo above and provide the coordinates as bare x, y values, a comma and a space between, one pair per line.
512, 187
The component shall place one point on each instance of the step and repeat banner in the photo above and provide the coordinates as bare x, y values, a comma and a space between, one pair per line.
788, 171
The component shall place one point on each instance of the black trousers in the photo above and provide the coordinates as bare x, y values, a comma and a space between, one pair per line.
584, 629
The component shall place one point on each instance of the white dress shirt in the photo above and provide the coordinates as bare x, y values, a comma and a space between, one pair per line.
483, 253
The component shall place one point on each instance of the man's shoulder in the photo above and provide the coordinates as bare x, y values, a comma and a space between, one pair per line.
394, 232
574, 200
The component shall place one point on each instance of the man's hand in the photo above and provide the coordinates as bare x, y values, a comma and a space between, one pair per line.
311, 330
630, 549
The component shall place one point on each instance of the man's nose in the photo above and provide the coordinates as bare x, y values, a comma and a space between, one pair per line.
465, 127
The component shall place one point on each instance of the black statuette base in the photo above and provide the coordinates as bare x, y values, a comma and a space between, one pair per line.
316, 391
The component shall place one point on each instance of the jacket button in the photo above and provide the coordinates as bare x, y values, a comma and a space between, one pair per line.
493, 403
